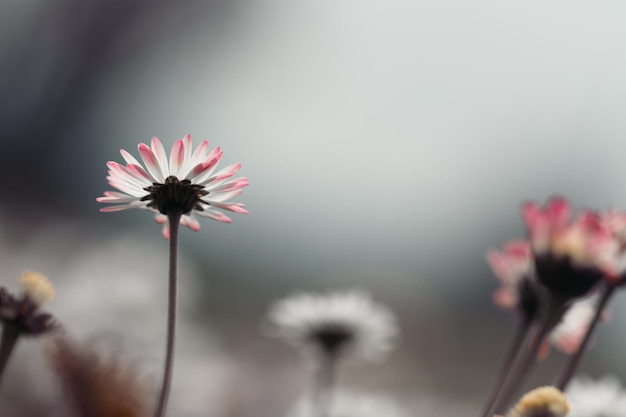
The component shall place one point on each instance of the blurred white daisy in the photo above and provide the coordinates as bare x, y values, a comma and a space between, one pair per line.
352, 404
602, 398
340, 322
570, 332
187, 184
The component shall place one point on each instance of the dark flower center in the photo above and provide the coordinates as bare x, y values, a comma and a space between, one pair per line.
529, 292
332, 337
175, 196
564, 278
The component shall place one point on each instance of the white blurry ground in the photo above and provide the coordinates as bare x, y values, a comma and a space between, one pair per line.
112, 294
348, 403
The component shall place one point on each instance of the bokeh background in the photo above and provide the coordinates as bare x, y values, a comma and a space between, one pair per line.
388, 145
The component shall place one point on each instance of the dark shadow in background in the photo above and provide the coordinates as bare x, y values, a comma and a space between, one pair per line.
54, 54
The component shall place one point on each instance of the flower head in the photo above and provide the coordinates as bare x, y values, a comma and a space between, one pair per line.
514, 268
602, 398
335, 323
187, 184
22, 313
352, 404
571, 256
541, 402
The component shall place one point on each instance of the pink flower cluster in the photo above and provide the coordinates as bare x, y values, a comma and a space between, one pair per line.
585, 248
587, 240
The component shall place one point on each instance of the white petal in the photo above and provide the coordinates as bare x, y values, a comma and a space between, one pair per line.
221, 197
215, 215
129, 158
177, 157
187, 146
151, 162
204, 170
222, 174
161, 156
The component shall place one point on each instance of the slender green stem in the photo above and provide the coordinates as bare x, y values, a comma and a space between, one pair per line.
323, 384
553, 313
574, 361
174, 221
10, 336
512, 353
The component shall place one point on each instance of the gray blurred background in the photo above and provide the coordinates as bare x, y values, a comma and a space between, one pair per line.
388, 146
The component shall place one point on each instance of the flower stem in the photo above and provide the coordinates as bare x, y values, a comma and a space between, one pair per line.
10, 336
574, 361
174, 221
553, 312
323, 383
509, 360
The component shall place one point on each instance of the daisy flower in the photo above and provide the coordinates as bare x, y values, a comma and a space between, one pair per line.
336, 323
513, 266
186, 183
571, 255
22, 314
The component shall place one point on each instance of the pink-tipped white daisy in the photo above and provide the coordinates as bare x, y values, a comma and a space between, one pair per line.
186, 183
513, 266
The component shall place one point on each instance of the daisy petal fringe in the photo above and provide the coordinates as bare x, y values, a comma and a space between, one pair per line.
186, 182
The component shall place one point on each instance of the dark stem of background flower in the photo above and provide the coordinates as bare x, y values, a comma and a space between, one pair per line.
10, 336
512, 353
574, 361
553, 312
323, 383
174, 221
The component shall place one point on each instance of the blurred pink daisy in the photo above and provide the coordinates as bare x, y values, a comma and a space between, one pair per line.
571, 255
513, 266
510, 266
187, 184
